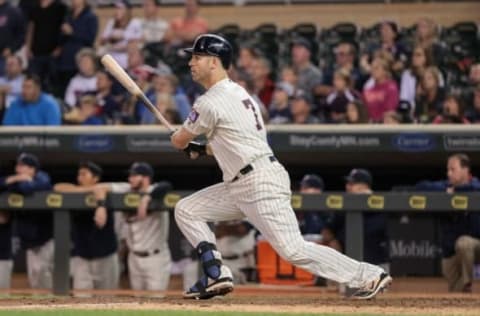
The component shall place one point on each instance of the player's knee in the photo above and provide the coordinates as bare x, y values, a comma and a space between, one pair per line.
181, 211
463, 243
293, 255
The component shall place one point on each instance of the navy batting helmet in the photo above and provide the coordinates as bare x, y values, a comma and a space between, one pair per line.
212, 45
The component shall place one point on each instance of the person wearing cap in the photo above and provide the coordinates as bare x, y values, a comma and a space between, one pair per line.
279, 109
375, 246
308, 75
94, 263
311, 222
301, 109
119, 32
145, 233
34, 229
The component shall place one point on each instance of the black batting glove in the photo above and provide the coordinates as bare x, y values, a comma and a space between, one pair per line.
195, 150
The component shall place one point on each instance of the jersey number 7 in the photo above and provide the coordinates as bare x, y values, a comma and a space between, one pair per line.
249, 105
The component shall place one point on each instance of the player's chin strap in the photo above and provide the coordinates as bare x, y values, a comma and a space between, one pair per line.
210, 258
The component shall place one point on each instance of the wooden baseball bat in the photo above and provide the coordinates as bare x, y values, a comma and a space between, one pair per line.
114, 68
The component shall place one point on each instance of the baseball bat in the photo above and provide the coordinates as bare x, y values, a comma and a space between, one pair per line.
126, 81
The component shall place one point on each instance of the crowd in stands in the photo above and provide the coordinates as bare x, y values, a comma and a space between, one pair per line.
386, 74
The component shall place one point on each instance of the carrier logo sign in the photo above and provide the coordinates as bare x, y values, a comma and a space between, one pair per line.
171, 199
131, 200
418, 202
376, 202
334, 201
94, 143
54, 200
459, 202
15, 200
413, 142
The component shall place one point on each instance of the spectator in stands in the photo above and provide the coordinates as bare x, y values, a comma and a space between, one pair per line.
11, 83
390, 43
261, 71
421, 60
184, 29
12, 29
426, 35
143, 77
301, 109
391, 118
33, 228
473, 114
452, 112
382, 95
279, 110
85, 80
474, 75
154, 27
86, 113
121, 30
246, 56
460, 231
34, 107
165, 103
375, 246
43, 43
110, 104
288, 75
356, 113
165, 82
236, 243
345, 56
94, 263
79, 31
146, 233
311, 222
308, 75
430, 96
341, 95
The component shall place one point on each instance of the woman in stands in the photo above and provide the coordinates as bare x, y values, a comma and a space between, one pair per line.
452, 113
430, 96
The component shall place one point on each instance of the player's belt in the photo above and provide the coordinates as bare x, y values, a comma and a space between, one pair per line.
249, 168
144, 254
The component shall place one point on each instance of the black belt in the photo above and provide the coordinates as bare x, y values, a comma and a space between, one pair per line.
144, 254
249, 168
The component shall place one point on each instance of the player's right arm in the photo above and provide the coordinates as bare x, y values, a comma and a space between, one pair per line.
71, 188
100, 192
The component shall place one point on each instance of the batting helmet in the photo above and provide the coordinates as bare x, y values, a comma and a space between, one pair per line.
212, 45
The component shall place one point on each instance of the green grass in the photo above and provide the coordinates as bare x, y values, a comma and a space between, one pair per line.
72, 312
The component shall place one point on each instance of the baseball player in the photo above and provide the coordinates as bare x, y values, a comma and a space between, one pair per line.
94, 263
255, 185
149, 259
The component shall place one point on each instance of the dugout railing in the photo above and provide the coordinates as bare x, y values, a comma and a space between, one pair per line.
353, 205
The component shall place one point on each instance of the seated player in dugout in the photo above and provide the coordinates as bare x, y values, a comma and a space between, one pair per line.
460, 231
255, 184
146, 233
94, 263
375, 242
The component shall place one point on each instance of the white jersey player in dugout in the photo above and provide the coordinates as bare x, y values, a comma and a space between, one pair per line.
255, 185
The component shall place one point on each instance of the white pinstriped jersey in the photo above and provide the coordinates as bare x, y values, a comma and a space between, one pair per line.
233, 124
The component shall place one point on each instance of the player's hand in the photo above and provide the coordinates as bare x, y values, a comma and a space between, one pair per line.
195, 150
100, 217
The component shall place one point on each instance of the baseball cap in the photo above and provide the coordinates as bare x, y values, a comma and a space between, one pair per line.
93, 167
312, 181
29, 160
359, 176
302, 41
141, 168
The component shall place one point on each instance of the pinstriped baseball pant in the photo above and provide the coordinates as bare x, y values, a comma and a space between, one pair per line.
263, 196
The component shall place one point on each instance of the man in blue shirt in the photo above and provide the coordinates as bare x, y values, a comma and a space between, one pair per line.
34, 107
460, 231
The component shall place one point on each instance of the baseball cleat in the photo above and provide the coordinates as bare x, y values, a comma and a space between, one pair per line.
373, 287
206, 287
